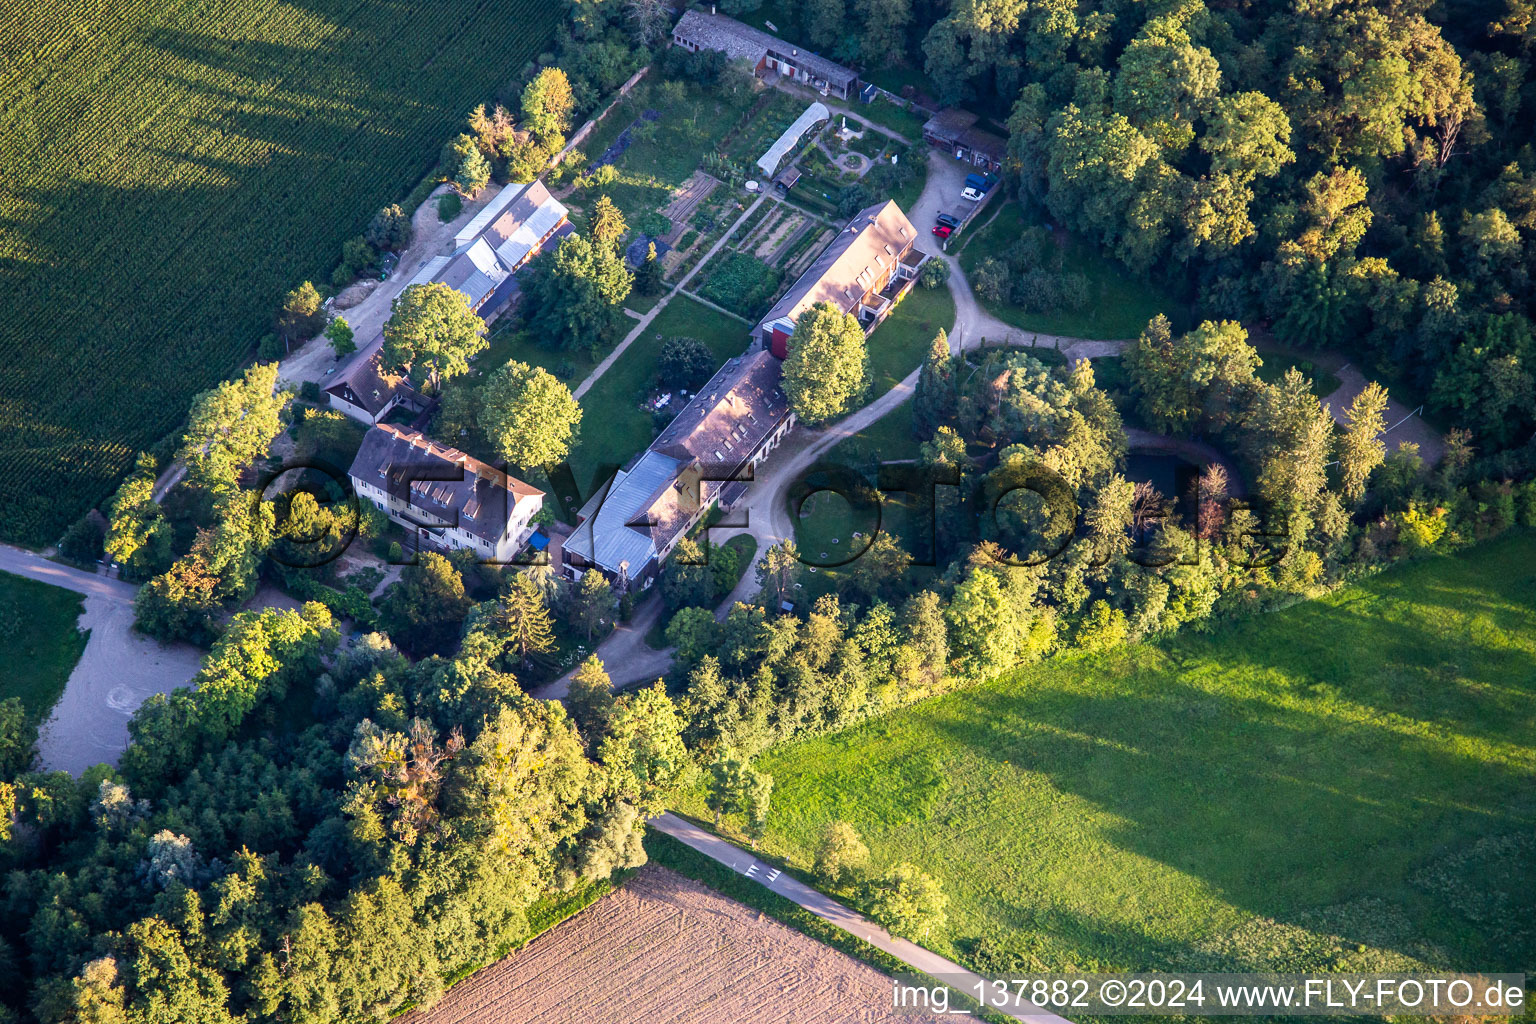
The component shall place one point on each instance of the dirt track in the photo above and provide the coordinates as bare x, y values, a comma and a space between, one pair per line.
665, 950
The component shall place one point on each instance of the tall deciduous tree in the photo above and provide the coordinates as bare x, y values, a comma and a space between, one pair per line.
828, 365
432, 329
589, 698
908, 902
138, 535
529, 415
574, 295
644, 747
424, 611
547, 105
390, 229
300, 316
467, 168
1361, 450
883, 39
232, 425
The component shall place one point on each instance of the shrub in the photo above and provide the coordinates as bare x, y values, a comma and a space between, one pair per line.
935, 274
357, 259
270, 348
82, 542
310, 391
448, 206
390, 229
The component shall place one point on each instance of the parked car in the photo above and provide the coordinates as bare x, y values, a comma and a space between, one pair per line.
949, 222
976, 186
943, 230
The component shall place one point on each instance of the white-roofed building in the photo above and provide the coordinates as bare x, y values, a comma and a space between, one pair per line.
814, 114
496, 242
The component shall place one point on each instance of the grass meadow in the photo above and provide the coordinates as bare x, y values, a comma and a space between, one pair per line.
39, 642
172, 169
1348, 784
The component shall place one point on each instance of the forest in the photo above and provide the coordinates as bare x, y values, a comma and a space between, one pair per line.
1355, 175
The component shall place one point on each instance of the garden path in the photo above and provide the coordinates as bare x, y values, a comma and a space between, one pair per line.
655, 311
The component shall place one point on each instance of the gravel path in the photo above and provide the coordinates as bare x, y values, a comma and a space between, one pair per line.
430, 237
1403, 424
119, 670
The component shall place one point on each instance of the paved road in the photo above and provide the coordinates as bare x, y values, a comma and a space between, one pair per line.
625, 655
21, 562
833, 912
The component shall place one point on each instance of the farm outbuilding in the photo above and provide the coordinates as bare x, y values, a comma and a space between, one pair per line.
814, 114
701, 30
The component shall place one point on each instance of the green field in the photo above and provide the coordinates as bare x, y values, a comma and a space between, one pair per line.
899, 346
172, 168
663, 154
39, 642
1120, 303
1349, 784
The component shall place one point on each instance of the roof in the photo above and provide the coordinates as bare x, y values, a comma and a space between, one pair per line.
643, 509
441, 481
873, 240
731, 415
474, 271
958, 127
496, 242
743, 42
813, 114
363, 383
522, 224
614, 532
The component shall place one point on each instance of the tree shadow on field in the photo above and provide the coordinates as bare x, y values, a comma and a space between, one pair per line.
210, 173
1434, 644
1277, 809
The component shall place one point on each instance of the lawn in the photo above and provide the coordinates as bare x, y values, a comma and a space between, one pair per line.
614, 425
899, 346
1349, 784
172, 169
39, 642
1121, 303
512, 342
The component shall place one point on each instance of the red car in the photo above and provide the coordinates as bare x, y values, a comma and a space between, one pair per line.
943, 230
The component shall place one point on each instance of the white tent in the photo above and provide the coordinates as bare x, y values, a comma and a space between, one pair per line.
814, 114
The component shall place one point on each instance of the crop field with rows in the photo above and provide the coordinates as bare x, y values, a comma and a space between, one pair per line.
172, 167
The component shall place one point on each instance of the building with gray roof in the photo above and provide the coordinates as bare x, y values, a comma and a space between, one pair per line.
700, 30
364, 390
630, 526
496, 243
449, 500
956, 130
